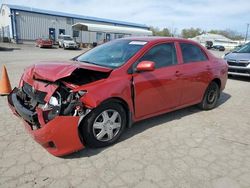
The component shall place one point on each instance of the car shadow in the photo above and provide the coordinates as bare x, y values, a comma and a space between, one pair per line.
143, 125
77, 49
5, 49
53, 47
240, 78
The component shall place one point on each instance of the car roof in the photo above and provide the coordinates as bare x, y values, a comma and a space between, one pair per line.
158, 39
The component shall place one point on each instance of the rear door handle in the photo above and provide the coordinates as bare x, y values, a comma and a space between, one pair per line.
178, 73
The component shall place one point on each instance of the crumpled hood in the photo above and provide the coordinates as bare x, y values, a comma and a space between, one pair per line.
238, 56
53, 71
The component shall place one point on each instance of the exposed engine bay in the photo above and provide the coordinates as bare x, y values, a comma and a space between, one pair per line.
31, 105
84, 76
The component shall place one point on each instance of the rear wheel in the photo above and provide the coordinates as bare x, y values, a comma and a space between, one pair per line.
211, 97
104, 125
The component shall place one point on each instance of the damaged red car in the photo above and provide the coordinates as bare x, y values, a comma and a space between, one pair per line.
90, 100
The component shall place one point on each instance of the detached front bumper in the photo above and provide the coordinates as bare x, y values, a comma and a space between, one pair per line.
59, 136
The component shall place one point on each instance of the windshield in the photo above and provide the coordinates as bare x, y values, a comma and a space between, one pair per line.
112, 54
67, 38
244, 49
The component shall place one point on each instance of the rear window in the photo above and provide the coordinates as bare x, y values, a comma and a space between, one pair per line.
192, 53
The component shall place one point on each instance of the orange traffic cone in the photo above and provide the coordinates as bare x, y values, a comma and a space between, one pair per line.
5, 87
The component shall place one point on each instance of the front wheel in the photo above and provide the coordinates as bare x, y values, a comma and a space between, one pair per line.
211, 97
104, 125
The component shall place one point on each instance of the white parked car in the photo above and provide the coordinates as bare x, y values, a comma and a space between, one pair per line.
66, 41
239, 61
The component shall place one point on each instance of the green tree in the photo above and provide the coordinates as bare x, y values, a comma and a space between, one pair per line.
233, 35
157, 32
191, 32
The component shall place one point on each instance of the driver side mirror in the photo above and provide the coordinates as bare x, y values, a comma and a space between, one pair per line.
145, 66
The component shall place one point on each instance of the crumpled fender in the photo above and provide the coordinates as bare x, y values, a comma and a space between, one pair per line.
104, 89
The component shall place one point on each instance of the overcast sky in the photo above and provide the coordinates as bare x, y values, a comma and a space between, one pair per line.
205, 14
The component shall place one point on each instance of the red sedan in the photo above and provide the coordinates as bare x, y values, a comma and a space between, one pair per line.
90, 100
44, 42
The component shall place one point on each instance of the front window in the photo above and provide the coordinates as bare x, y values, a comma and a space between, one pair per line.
112, 54
162, 55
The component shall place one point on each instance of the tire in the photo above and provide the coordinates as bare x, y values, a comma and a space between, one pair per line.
211, 97
104, 125
64, 47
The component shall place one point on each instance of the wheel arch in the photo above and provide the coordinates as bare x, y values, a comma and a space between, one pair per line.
217, 81
118, 100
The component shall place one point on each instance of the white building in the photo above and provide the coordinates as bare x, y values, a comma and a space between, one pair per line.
216, 39
19, 24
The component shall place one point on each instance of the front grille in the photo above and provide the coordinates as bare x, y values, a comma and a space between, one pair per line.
239, 64
239, 70
34, 94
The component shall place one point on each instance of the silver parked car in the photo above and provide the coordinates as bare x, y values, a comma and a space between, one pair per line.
66, 41
239, 61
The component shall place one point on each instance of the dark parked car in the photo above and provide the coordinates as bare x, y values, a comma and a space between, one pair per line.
219, 47
239, 61
44, 42
90, 101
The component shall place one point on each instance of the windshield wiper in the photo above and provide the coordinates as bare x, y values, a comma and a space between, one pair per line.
89, 62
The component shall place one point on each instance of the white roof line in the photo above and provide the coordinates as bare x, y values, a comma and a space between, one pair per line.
111, 29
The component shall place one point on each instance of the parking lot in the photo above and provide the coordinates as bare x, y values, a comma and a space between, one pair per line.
185, 148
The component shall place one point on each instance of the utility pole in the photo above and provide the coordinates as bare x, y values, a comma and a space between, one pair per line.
247, 33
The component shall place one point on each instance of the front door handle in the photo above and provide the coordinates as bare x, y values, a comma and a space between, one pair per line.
209, 68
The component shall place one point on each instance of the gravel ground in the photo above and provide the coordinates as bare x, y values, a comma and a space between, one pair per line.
185, 148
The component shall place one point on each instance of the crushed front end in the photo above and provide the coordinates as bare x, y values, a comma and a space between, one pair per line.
48, 102
52, 123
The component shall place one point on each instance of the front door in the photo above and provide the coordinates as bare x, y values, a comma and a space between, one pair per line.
159, 90
52, 34
108, 37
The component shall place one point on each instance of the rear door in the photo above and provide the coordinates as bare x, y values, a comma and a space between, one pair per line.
196, 73
158, 90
